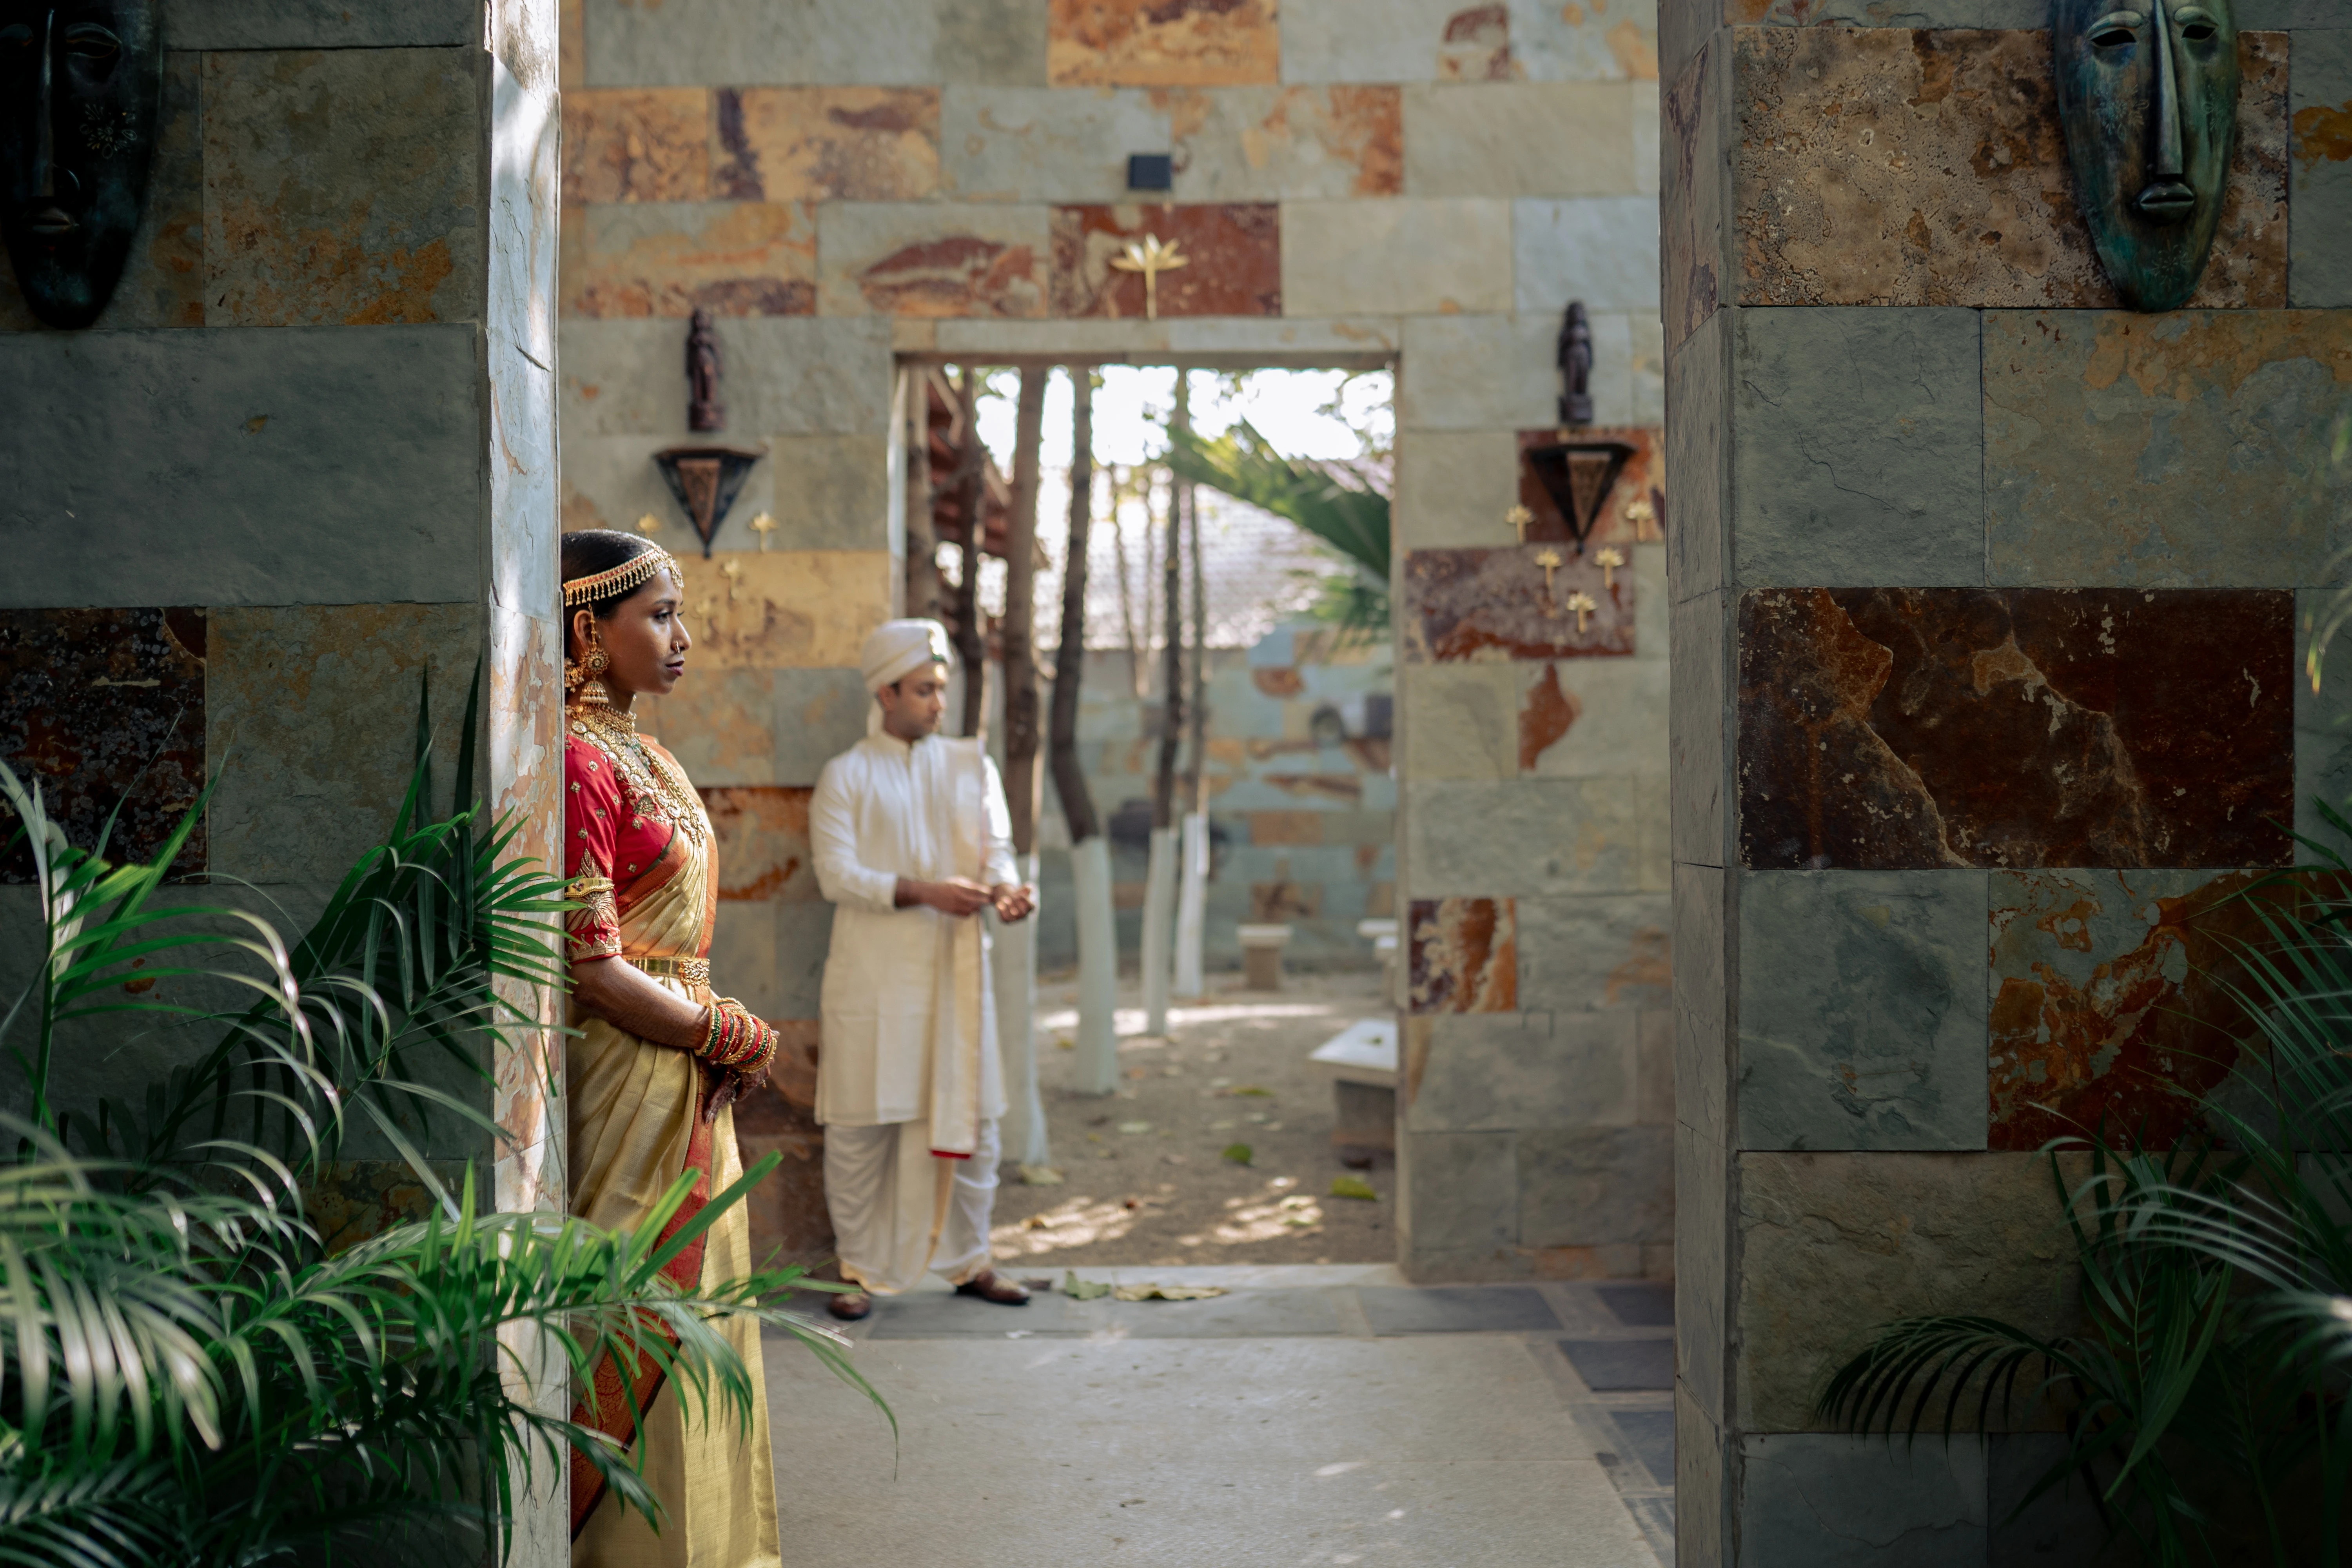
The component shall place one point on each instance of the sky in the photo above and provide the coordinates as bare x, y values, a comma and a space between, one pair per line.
1282, 403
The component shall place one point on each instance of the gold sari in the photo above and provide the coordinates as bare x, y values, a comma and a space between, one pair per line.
636, 1123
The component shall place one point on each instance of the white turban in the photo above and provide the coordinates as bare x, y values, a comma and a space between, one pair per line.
897, 647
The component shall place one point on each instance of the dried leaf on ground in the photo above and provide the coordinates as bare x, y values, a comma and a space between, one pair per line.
1167, 1292
1239, 1153
1135, 1127
1353, 1187
1078, 1289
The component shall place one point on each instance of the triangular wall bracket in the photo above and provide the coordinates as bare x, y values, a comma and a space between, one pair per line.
1579, 475
706, 481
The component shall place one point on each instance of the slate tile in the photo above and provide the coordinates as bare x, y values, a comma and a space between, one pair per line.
1826, 1500
1286, 144
1891, 166
2111, 998
2320, 172
926, 259
1640, 1306
1233, 255
1501, 1071
1650, 1434
1595, 954
103, 709
1459, 1190
1456, 1310
1862, 1010
1356, 257
2119, 447
1521, 836
1856, 446
2017, 727
763, 843
825, 144
636, 144
1614, 1366
1589, 1186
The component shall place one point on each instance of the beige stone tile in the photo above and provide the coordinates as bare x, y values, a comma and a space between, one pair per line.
826, 143
636, 144
1269, 144
1584, 40
1049, 145
922, 258
1453, 487
1602, 250
1460, 721
1365, 341
788, 375
786, 609
1396, 257
1615, 713
1491, 371
1524, 139
672, 258
718, 723
757, 42
1388, 40
341, 188
1114, 339
1182, 43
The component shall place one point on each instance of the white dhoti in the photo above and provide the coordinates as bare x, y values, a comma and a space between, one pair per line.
898, 1210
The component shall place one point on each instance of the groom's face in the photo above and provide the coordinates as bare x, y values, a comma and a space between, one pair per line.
913, 705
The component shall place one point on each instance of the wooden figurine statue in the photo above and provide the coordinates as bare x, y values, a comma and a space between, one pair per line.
704, 411
1576, 366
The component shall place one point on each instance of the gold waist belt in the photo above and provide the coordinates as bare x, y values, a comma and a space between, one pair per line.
693, 971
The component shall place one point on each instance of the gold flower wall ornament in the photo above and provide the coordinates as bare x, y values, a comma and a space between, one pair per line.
1609, 560
1550, 560
764, 525
1521, 519
1640, 513
1149, 256
649, 525
733, 571
1582, 604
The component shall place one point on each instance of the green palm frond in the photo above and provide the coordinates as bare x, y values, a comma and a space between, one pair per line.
189, 1374
1352, 519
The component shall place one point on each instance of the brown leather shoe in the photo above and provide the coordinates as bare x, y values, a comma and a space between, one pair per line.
991, 1286
849, 1305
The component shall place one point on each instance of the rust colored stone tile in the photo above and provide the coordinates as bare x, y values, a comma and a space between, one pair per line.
1887, 166
926, 259
1496, 604
341, 188
1286, 827
2112, 998
1478, 46
1277, 680
1233, 260
1635, 511
733, 258
1358, 125
1463, 955
1892, 729
101, 709
1162, 43
1545, 715
636, 144
763, 842
827, 143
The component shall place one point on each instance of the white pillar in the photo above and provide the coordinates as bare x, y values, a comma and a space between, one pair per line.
1013, 970
1191, 907
1098, 1039
1158, 929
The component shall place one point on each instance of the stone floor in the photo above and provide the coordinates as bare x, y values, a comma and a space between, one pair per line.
1314, 1414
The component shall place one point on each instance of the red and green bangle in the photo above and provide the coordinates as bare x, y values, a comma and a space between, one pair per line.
737, 1039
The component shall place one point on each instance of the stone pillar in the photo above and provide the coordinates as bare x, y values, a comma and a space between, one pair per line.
1984, 606
305, 458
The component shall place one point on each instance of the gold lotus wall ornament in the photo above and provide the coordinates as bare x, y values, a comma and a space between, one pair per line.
764, 525
1609, 560
649, 525
1520, 517
1149, 256
1550, 560
1581, 603
733, 571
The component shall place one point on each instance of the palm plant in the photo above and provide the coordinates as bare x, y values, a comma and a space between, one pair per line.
2204, 1396
1350, 518
190, 1374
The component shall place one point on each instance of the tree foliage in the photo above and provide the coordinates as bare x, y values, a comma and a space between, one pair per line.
1346, 514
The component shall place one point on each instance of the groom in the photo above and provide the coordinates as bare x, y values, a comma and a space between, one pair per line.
912, 840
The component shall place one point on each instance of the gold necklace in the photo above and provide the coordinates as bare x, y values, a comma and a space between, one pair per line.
646, 777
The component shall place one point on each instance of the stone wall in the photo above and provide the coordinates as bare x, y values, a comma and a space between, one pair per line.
305, 458
1425, 183
1985, 598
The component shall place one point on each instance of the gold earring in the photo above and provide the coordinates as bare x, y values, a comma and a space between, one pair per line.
592, 667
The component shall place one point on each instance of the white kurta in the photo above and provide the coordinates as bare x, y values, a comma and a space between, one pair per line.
909, 1026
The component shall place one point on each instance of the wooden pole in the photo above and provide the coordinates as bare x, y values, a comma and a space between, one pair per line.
1070, 657
923, 597
1022, 778
1171, 685
972, 491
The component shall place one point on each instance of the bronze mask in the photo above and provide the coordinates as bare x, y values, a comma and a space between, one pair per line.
81, 85
2147, 90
